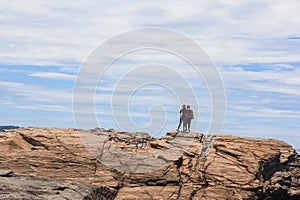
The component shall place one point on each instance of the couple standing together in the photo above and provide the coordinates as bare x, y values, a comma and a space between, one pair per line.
186, 116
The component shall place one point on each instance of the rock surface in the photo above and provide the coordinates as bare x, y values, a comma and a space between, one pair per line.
30, 187
60, 163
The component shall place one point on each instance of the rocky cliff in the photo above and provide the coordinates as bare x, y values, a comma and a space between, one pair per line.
57, 163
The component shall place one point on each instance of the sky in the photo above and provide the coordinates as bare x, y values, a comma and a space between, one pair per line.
254, 45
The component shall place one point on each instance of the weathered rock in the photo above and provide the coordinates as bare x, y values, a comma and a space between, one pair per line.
108, 164
30, 187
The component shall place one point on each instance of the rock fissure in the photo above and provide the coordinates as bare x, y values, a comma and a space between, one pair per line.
235, 162
32, 141
180, 182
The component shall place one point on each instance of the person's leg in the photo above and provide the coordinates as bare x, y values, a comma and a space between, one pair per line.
180, 122
184, 124
189, 124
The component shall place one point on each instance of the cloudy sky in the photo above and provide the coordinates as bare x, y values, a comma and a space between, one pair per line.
255, 46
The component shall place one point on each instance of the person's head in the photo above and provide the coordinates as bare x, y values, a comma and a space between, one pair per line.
183, 106
188, 106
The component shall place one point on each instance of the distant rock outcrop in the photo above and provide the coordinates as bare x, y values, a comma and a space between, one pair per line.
57, 163
2, 128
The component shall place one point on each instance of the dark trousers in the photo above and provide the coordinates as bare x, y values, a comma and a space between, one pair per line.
184, 122
188, 122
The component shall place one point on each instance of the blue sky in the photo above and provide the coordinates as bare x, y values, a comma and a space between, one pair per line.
254, 44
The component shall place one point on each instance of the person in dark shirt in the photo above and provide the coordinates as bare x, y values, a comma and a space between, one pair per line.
182, 119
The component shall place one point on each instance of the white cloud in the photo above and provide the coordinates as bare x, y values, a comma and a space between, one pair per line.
51, 32
54, 75
29, 95
272, 80
44, 107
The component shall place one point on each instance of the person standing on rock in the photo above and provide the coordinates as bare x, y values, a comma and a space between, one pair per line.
182, 119
189, 117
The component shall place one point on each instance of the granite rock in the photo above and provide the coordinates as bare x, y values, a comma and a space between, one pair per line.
54, 163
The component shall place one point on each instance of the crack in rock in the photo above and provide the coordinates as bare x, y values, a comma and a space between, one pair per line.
33, 141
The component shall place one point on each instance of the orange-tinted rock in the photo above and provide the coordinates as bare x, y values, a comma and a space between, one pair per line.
109, 164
